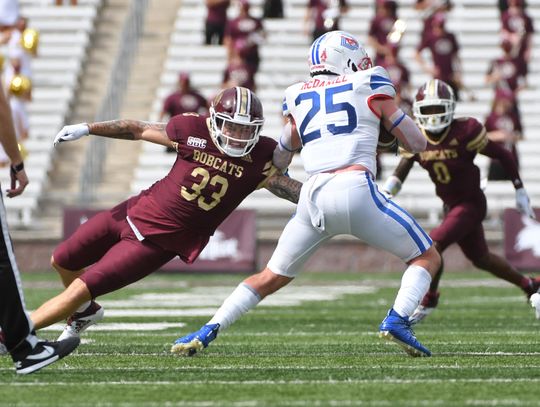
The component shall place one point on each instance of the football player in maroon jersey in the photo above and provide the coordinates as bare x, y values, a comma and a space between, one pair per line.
452, 146
221, 160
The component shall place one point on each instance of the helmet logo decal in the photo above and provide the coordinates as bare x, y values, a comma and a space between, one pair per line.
315, 50
324, 56
349, 43
376, 81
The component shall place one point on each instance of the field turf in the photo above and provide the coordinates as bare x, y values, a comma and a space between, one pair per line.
313, 344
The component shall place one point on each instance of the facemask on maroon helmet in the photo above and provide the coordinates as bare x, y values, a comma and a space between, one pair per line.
434, 106
236, 119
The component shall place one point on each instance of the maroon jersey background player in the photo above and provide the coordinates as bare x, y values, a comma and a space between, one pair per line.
503, 126
245, 33
444, 50
449, 160
316, 10
185, 99
220, 161
380, 26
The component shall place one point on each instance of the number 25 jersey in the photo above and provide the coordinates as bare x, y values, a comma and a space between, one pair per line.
201, 189
335, 120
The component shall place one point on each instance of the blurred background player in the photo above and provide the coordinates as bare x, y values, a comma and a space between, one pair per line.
518, 28
428, 9
17, 334
216, 20
507, 72
238, 72
380, 27
323, 16
503, 126
444, 49
449, 159
221, 160
245, 33
273, 9
340, 196
184, 99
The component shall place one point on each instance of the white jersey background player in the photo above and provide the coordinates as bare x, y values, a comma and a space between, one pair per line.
334, 117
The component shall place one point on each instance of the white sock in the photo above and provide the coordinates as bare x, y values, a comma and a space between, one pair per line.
83, 306
242, 299
414, 285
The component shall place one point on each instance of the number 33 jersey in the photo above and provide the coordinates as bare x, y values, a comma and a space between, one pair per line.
335, 120
202, 188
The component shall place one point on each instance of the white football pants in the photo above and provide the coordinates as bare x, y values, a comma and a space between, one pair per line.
346, 203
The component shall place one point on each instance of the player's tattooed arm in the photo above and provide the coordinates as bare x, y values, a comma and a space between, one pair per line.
284, 187
132, 130
124, 129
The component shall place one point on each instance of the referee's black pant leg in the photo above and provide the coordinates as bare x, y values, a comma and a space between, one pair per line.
15, 322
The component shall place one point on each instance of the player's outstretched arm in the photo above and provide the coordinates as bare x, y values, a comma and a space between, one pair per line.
119, 129
498, 152
393, 183
284, 187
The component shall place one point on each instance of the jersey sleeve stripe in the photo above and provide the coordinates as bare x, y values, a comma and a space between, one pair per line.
376, 81
479, 142
285, 108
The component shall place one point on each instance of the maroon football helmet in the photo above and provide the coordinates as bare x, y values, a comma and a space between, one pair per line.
434, 106
236, 117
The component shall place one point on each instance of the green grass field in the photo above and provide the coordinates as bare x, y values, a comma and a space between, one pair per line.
313, 344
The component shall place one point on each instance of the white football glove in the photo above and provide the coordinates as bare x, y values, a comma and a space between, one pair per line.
71, 133
523, 203
391, 186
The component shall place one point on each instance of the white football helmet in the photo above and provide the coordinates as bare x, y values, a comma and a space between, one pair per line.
434, 106
337, 52
236, 118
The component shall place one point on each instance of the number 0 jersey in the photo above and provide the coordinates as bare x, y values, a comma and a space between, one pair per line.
202, 188
334, 118
450, 161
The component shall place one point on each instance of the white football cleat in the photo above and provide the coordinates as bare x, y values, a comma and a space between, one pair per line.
426, 307
420, 313
79, 321
535, 303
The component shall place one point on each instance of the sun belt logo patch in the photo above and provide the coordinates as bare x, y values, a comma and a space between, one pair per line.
349, 43
196, 142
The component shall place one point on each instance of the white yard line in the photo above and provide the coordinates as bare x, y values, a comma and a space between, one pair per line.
274, 382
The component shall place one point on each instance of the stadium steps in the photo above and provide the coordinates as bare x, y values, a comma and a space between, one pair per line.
89, 90
64, 38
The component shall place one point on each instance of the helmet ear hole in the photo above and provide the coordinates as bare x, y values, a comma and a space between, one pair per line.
352, 65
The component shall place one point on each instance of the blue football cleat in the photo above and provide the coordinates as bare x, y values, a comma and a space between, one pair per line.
196, 341
398, 329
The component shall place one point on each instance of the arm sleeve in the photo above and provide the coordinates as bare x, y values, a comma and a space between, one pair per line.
498, 152
404, 167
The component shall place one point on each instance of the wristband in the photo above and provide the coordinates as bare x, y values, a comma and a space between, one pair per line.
17, 168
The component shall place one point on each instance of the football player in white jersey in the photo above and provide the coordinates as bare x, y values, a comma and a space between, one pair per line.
334, 117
